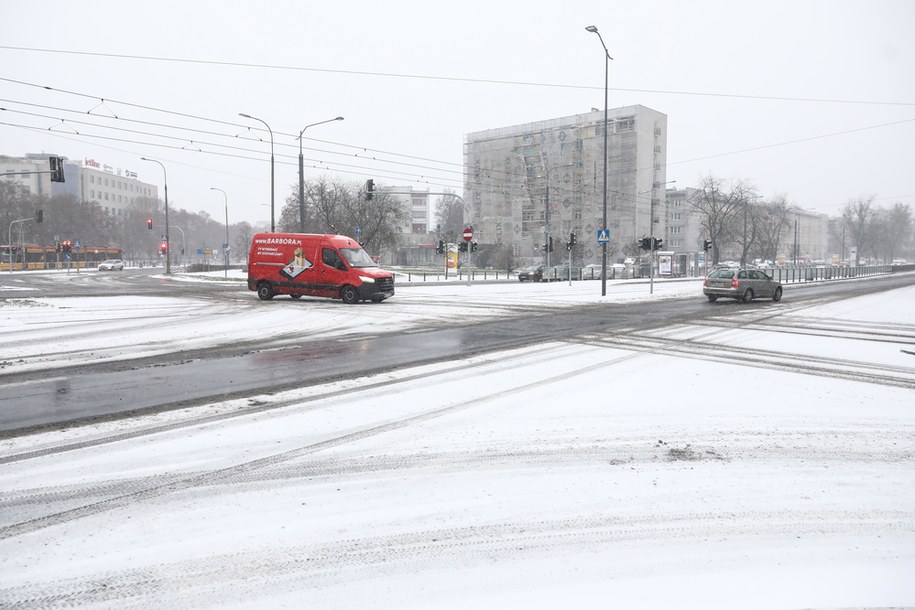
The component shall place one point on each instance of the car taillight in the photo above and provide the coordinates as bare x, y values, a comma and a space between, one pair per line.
735, 284
705, 282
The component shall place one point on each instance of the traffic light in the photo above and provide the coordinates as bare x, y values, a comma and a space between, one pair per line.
645, 243
657, 243
707, 245
543, 247
551, 243
58, 247
57, 169
369, 189
149, 223
572, 240
440, 249
473, 246
39, 216
462, 247
66, 246
163, 247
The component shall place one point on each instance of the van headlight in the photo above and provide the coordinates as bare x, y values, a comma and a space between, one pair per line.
367, 280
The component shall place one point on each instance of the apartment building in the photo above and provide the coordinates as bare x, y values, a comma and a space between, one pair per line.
415, 244
32, 172
113, 188
527, 183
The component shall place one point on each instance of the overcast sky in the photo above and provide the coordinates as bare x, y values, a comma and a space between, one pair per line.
812, 99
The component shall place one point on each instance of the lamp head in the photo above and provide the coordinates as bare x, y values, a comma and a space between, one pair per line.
247, 116
592, 29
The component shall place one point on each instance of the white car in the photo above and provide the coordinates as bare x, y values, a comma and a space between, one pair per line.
111, 265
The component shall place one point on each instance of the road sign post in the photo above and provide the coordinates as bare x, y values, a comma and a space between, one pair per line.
468, 237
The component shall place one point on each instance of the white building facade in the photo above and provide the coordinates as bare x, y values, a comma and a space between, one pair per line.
113, 188
526, 183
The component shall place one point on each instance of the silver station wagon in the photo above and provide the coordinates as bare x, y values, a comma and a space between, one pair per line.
742, 284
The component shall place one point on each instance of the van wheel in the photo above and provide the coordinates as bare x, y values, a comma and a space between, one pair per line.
349, 295
265, 291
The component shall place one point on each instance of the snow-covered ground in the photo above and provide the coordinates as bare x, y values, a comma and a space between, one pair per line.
763, 461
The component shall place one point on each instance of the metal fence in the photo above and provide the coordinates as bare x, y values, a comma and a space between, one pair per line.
789, 275
785, 275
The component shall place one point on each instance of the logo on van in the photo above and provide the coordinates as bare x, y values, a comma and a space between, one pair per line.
278, 240
297, 265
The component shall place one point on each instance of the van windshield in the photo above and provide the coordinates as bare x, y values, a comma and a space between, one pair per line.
357, 257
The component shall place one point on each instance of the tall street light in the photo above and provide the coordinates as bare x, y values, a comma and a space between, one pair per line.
225, 250
302, 173
168, 244
607, 58
272, 218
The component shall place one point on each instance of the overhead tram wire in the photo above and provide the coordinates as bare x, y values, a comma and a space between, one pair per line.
448, 78
430, 170
293, 160
201, 118
236, 125
422, 178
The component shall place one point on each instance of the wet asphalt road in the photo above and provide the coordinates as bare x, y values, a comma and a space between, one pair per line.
30, 400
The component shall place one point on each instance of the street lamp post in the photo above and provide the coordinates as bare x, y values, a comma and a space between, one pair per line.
183, 244
168, 245
225, 250
607, 58
272, 218
302, 173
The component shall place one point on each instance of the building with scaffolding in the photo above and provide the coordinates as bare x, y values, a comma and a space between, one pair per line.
528, 183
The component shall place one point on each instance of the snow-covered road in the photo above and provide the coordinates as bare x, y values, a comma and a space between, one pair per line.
763, 465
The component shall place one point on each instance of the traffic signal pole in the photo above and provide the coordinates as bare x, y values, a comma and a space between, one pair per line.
10, 240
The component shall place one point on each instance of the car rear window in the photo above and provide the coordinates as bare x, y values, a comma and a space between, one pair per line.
722, 273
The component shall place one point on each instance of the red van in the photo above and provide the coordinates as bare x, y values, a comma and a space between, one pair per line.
333, 266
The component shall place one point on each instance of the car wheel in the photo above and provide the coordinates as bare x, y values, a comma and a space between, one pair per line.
777, 295
747, 296
349, 295
712, 297
265, 291
378, 298
296, 296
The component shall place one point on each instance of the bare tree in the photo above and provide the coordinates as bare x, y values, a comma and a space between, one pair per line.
772, 219
325, 200
334, 206
859, 220
720, 207
898, 230
449, 216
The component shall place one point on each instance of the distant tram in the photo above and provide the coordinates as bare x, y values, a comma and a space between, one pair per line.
31, 256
